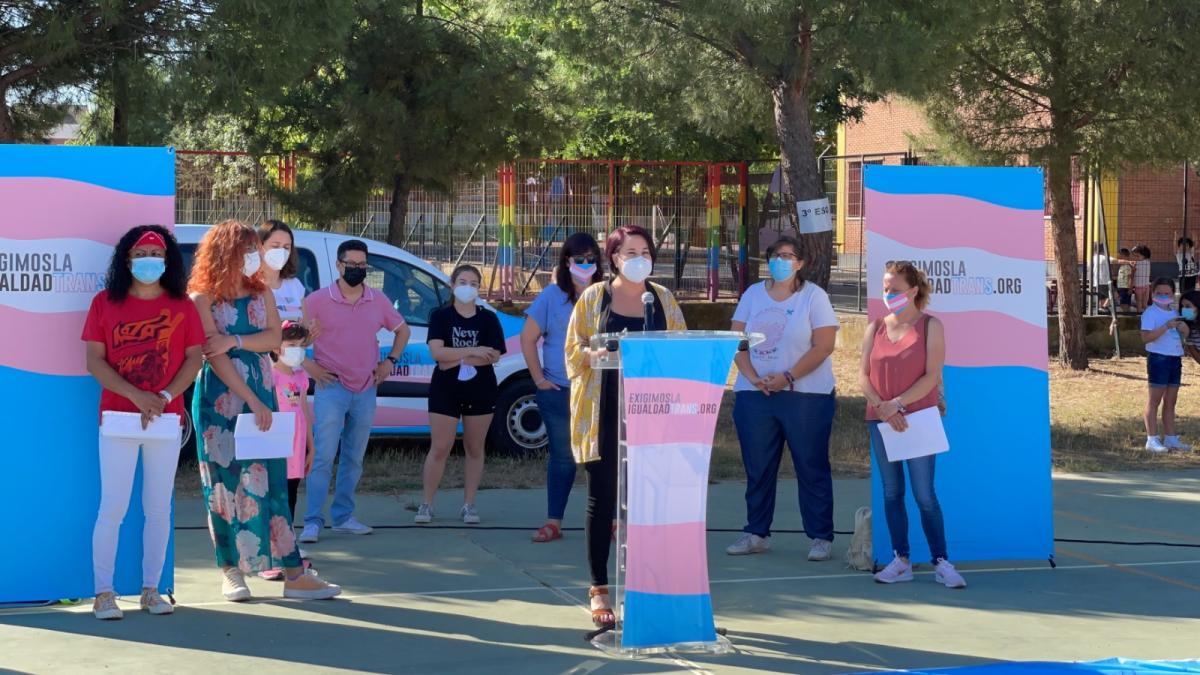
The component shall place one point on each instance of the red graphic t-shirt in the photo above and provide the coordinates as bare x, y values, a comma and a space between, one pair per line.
144, 341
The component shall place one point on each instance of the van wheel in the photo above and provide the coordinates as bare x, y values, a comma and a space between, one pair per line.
187, 447
517, 429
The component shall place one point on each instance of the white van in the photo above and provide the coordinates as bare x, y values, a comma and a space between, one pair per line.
415, 288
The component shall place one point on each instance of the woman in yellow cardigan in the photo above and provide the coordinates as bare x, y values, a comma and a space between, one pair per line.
609, 307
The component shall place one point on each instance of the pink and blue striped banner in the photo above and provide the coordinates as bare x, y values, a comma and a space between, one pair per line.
673, 390
62, 208
979, 235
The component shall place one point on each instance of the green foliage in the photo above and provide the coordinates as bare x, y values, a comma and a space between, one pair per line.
406, 100
148, 110
42, 47
1113, 81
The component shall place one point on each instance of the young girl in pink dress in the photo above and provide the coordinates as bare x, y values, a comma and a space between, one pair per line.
291, 390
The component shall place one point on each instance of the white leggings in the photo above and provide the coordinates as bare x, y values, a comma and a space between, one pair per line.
118, 462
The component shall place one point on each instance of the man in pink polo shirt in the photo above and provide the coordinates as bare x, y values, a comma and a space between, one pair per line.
347, 372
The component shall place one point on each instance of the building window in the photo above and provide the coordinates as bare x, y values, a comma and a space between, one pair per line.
854, 186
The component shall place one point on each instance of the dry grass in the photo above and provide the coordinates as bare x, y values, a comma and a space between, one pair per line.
1096, 426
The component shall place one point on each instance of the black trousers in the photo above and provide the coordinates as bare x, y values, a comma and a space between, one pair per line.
601, 506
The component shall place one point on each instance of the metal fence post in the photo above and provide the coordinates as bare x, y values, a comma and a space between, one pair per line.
743, 226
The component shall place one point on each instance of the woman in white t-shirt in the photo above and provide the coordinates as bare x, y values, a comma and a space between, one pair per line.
279, 271
785, 392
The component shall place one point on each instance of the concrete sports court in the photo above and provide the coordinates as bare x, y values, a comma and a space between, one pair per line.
488, 601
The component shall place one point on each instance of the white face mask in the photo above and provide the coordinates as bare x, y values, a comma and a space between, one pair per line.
276, 258
250, 263
292, 357
466, 294
637, 269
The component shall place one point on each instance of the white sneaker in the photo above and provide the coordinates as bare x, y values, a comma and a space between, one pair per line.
105, 607
944, 573
311, 534
233, 586
153, 602
469, 515
896, 572
1155, 445
1173, 443
424, 514
352, 526
749, 543
820, 550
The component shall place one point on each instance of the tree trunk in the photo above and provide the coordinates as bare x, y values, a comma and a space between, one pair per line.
1072, 349
801, 177
120, 112
8, 130
398, 209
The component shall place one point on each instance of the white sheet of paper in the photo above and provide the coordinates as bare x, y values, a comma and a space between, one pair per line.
128, 425
925, 436
814, 216
274, 443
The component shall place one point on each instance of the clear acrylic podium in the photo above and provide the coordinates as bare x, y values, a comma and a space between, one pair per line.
671, 386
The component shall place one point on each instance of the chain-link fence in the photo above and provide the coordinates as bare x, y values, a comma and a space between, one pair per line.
694, 212
711, 222
1146, 206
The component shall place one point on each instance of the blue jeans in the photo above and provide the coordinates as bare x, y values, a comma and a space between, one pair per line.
555, 407
804, 421
920, 474
342, 417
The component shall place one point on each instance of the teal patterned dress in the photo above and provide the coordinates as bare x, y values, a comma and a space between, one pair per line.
247, 502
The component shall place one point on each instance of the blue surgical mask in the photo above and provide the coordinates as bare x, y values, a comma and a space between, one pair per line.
148, 270
781, 270
1162, 300
1188, 313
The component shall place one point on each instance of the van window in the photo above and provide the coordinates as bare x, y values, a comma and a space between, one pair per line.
414, 292
306, 269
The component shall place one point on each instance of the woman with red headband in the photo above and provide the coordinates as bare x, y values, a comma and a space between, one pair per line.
144, 341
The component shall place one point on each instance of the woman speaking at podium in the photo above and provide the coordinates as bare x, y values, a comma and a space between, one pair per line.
610, 307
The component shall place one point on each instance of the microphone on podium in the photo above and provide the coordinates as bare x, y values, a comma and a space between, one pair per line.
648, 310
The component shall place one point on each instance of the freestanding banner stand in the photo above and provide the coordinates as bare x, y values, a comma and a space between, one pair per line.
979, 235
62, 208
671, 388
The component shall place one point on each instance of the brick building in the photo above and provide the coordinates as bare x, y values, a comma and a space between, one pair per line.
1141, 205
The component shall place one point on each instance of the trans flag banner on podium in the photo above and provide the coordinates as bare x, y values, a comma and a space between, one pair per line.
61, 211
979, 235
672, 384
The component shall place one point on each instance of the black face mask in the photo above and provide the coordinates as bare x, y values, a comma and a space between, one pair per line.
354, 276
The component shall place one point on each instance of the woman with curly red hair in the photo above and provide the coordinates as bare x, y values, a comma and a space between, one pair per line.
247, 501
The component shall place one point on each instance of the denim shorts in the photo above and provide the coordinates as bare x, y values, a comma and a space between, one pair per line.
1162, 370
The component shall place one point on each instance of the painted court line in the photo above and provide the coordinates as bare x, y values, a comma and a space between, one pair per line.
556, 590
1123, 568
1121, 526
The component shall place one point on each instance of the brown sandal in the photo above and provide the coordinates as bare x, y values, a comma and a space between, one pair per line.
601, 616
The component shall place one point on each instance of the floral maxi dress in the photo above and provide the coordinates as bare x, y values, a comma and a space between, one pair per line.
247, 502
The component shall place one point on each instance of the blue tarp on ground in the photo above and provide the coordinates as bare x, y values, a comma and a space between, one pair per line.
1118, 666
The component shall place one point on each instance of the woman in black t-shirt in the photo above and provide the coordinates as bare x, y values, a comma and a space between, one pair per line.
465, 339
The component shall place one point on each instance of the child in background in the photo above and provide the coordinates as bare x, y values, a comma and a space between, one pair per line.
1164, 333
1141, 276
1125, 279
291, 391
